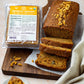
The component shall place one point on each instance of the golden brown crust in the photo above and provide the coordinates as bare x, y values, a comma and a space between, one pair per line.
25, 43
65, 43
51, 62
59, 51
68, 20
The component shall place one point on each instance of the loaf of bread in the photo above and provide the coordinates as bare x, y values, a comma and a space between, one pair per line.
65, 43
61, 19
20, 42
51, 62
59, 51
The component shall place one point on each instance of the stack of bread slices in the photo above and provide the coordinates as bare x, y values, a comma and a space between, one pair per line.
59, 27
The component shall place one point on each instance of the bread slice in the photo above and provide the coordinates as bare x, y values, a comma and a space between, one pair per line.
59, 51
65, 43
61, 19
51, 62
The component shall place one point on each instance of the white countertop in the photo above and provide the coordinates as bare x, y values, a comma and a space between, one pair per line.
2, 29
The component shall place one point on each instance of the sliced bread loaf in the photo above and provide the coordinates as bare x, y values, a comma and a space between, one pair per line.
61, 19
51, 62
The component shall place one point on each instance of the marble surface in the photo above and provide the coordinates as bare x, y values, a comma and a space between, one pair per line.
2, 29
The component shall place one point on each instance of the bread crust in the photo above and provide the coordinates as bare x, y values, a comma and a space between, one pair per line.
57, 42
63, 52
51, 27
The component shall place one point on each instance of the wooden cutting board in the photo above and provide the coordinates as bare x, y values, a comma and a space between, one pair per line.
25, 70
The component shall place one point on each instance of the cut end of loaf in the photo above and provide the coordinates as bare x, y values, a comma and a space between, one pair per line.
51, 62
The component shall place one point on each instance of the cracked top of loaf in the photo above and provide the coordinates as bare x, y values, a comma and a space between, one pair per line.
62, 14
